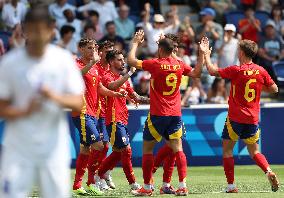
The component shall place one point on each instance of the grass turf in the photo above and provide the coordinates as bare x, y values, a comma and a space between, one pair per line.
206, 182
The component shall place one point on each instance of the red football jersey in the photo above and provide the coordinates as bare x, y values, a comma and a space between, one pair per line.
246, 84
166, 74
102, 104
91, 80
116, 109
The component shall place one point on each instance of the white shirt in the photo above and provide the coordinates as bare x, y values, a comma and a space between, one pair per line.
107, 11
12, 16
56, 11
153, 35
72, 46
229, 54
77, 24
43, 134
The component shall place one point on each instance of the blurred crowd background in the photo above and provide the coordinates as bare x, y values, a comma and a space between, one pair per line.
224, 22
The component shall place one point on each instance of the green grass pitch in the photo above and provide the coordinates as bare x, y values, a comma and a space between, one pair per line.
206, 182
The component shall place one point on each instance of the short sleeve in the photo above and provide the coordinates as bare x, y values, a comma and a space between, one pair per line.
74, 83
148, 65
186, 69
267, 80
5, 83
228, 72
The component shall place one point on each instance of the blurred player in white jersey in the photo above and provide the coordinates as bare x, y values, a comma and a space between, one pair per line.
36, 82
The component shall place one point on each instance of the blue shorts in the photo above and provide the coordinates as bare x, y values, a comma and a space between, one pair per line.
249, 133
87, 127
118, 133
158, 127
101, 127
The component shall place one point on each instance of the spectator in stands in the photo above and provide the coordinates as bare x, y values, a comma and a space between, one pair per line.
194, 94
56, 10
153, 31
106, 10
72, 21
227, 48
186, 35
89, 32
270, 47
124, 26
17, 39
112, 36
278, 17
56, 34
13, 13
209, 28
249, 27
67, 41
217, 94
93, 20
143, 87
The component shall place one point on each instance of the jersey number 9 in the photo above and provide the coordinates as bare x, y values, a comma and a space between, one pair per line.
171, 81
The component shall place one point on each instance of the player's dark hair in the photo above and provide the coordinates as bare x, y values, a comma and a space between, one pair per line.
105, 44
38, 14
112, 54
173, 37
65, 29
85, 41
94, 13
167, 45
109, 23
249, 48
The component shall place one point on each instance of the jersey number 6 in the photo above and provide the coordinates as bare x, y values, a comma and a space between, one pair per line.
171, 81
249, 93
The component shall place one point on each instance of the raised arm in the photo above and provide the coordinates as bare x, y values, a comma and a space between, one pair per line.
137, 39
204, 49
95, 59
196, 72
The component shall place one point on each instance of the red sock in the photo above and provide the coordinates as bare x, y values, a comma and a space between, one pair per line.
127, 165
169, 165
92, 165
261, 161
104, 152
161, 155
97, 160
81, 165
181, 165
109, 163
147, 167
228, 163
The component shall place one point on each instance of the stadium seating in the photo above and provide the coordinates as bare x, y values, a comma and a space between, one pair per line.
235, 16
278, 69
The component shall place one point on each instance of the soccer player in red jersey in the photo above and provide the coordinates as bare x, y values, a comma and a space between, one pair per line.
103, 68
164, 120
86, 121
248, 80
117, 119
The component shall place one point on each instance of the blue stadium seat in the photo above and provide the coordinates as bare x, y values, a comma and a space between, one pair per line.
278, 69
5, 38
235, 16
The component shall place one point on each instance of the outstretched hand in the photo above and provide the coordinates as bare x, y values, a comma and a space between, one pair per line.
204, 46
138, 37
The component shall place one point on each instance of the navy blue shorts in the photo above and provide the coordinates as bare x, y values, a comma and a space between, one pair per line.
158, 127
249, 133
87, 127
118, 133
101, 127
